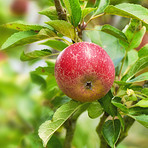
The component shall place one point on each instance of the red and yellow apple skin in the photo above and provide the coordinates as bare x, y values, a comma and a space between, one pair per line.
84, 71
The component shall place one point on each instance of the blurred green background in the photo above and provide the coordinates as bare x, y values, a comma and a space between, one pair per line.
23, 106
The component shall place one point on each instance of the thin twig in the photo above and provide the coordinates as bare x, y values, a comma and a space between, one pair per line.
122, 66
93, 17
60, 10
70, 128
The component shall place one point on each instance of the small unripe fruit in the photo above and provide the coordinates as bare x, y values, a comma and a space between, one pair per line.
84, 71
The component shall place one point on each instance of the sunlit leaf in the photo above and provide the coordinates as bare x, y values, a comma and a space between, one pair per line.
63, 27
143, 119
35, 54
95, 110
50, 12
55, 44
44, 70
86, 11
129, 10
134, 33
26, 37
142, 77
101, 5
48, 128
143, 51
136, 67
20, 26
142, 103
74, 10
114, 31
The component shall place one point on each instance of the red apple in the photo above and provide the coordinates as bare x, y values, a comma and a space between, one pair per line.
2, 56
84, 71
19, 7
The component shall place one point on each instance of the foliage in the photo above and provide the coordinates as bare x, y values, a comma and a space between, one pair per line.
125, 100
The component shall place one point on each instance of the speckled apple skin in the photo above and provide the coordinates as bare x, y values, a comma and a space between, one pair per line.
81, 63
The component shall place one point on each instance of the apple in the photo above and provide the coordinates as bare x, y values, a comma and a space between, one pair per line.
19, 7
2, 56
84, 71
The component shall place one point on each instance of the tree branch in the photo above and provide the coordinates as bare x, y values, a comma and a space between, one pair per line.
70, 128
61, 12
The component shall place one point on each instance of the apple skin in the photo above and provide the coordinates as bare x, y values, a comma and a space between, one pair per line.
84, 71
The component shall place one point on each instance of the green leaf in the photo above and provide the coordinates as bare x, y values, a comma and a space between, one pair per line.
50, 12
59, 101
142, 77
108, 42
114, 31
134, 33
94, 110
52, 88
145, 91
117, 102
111, 131
129, 10
132, 56
48, 128
44, 70
101, 5
142, 103
38, 80
63, 27
25, 37
74, 10
54, 142
80, 110
20, 26
143, 119
121, 120
136, 111
143, 51
86, 11
55, 44
35, 54
49, 32
121, 83
107, 105
136, 67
